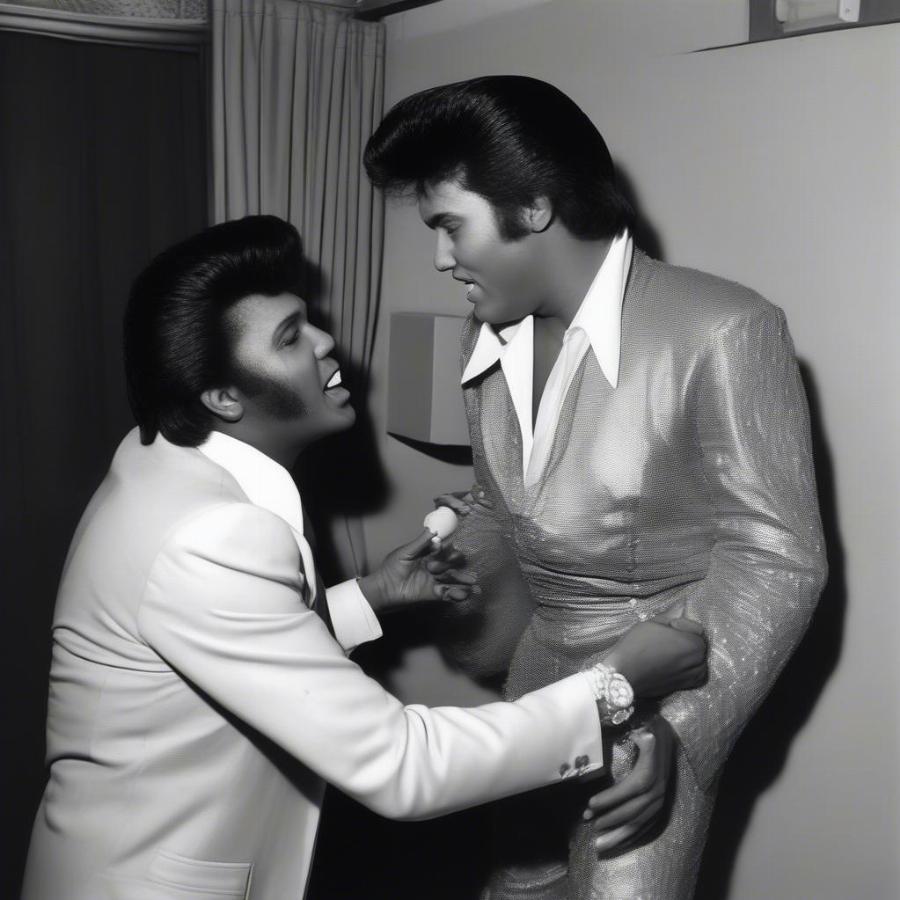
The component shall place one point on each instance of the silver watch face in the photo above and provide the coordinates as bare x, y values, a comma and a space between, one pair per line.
620, 693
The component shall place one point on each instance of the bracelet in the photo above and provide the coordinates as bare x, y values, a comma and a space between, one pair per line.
613, 693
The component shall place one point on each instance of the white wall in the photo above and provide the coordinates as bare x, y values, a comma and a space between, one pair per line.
777, 165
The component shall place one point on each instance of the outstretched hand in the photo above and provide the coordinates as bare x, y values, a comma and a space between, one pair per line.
422, 570
621, 815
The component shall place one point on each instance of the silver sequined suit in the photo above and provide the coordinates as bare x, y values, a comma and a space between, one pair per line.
689, 485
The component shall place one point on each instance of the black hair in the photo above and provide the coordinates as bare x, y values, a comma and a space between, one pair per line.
510, 139
176, 340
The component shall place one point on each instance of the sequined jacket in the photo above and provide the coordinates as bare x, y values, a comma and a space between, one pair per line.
688, 486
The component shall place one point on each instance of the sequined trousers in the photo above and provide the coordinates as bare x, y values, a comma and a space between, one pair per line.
543, 849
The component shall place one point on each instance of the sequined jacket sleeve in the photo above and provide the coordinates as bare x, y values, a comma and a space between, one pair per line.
767, 564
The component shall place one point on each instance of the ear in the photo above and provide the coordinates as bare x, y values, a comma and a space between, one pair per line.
223, 403
539, 215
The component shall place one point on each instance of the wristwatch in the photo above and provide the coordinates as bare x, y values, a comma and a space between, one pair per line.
613, 693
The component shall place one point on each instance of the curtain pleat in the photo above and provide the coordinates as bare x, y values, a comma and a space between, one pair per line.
297, 90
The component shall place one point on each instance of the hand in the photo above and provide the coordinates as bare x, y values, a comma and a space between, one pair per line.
419, 571
622, 814
463, 502
661, 656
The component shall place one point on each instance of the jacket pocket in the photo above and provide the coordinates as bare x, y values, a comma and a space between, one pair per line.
209, 880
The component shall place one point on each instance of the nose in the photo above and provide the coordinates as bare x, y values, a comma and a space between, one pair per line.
443, 253
323, 342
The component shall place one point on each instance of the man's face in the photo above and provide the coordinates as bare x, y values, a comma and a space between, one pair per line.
503, 277
289, 385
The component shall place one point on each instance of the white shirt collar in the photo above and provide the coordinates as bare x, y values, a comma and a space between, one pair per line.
266, 483
599, 316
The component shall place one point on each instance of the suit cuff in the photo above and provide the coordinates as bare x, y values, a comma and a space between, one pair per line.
353, 620
588, 759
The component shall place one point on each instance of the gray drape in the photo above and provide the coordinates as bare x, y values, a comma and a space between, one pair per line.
296, 91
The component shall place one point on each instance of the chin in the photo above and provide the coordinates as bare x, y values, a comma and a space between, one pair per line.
336, 422
340, 420
497, 316
349, 418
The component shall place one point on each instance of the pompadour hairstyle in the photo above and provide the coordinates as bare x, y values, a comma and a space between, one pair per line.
176, 341
510, 139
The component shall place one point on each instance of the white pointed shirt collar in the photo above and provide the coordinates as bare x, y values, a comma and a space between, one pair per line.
599, 316
271, 487
264, 481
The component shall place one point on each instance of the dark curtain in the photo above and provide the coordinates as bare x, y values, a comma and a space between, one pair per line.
102, 164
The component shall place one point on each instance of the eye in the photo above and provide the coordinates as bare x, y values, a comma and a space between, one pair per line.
289, 339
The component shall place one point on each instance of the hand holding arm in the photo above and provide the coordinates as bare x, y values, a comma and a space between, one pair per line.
659, 656
622, 814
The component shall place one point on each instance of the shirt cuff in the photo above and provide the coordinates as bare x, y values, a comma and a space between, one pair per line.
352, 618
592, 761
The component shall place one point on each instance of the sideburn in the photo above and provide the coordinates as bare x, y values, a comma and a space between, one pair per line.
274, 398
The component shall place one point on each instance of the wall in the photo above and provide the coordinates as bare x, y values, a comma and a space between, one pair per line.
775, 165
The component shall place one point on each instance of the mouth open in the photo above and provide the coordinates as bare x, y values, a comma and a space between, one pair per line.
335, 391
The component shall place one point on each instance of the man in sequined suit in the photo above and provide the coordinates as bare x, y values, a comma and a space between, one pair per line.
641, 446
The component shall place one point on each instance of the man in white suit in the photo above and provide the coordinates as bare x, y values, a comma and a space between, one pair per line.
200, 691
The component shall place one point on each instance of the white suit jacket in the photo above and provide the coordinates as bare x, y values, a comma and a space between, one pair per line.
196, 705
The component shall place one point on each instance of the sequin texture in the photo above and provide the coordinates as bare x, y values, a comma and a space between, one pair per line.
688, 487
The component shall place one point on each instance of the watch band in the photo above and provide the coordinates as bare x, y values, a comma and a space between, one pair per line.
613, 693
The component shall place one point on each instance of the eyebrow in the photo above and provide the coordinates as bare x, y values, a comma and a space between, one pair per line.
440, 218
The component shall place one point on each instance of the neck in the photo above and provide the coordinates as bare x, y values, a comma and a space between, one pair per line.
571, 264
282, 450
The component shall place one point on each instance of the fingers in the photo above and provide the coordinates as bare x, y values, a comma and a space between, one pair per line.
463, 502
480, 497
639, 804
627, 812
454, 592
683, 624
632, 818
680, 623
637, 782
453, 576
440, 562
460, 502
420, 546
619, 837
445, 553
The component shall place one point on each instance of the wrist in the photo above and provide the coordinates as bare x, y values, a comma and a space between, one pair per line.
612, 692
372, 587
620, 663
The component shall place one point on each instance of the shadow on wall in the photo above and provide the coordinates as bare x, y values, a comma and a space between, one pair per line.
760, 755
646, 237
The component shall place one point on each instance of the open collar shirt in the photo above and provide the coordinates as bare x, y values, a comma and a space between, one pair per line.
597, 325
